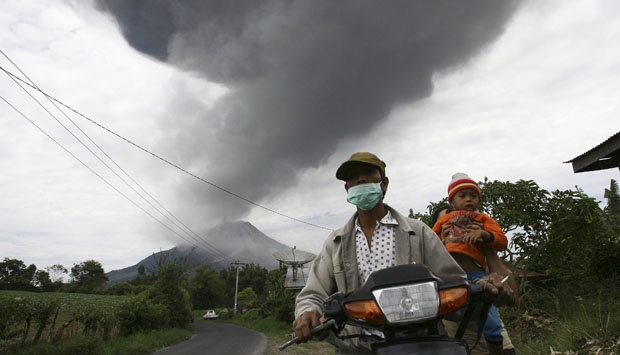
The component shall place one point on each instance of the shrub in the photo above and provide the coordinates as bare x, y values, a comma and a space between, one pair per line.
285, 312
78, 345
252, 314
139, 313
11, 318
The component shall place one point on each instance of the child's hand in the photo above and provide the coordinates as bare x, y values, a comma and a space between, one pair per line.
476, 225
476, 234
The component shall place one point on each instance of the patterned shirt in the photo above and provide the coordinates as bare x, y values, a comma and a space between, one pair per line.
383, 253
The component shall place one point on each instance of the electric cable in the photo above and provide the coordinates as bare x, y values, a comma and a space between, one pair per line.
205, 245
176, 166
88, 167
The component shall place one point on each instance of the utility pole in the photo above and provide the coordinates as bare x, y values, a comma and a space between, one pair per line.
237, 264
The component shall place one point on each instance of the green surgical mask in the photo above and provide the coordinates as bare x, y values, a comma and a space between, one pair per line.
365, 196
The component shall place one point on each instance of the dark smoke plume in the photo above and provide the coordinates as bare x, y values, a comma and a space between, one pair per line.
303, 77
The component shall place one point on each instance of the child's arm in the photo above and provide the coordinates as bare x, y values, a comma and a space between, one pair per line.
485, 229
477, 234
499, 240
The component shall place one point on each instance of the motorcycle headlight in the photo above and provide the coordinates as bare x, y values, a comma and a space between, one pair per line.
409, 303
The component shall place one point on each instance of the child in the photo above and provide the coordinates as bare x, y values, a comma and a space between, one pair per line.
467, 234
495, 264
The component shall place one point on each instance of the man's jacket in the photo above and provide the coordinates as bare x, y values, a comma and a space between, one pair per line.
335, 267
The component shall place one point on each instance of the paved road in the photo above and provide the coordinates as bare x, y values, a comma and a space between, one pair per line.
220, 338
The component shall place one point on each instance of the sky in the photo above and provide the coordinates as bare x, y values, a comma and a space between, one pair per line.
164, 119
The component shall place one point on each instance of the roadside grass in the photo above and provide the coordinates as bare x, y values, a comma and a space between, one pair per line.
139, 344
567, 321
147, 343
586, 330
278, 333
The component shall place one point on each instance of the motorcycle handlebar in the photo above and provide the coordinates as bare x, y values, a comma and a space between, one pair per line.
319, 328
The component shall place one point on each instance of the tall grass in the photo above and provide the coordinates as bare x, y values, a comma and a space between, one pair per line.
573, 319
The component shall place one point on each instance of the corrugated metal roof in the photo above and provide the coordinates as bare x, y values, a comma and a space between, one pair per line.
604, 156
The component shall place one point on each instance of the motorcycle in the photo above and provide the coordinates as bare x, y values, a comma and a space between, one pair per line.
406, 304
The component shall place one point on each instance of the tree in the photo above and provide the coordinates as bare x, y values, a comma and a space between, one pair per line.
144, 278
247, 298
564, 241
279, 301
253, 276
88, 276
141, 270
229, 275
207, 288
42, 280
170, 289
613, 199
560, 233
606, 255
431, 208
250, 275
15, 275
56, 272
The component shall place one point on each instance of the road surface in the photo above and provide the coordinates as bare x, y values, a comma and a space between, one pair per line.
220, 338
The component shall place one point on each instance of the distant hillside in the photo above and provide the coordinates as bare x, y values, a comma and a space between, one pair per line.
234, 241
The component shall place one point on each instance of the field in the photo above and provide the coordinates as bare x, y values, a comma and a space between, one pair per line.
30, 317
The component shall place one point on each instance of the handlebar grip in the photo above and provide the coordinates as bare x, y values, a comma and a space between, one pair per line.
319, 328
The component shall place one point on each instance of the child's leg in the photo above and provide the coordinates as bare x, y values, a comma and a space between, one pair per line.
495, 348
493, 332
509, 348
492, 329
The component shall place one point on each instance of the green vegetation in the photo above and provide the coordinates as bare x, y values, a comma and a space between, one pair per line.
564, 250
139, 344
572, 318
71, 323
147, 343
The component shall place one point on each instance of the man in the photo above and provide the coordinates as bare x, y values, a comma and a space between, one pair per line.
376, 237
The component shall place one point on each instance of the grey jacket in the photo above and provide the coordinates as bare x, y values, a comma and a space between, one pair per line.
335, 267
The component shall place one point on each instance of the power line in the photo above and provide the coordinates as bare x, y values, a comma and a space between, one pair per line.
86, 165
163, 159
110, 184
205, 245
187, 230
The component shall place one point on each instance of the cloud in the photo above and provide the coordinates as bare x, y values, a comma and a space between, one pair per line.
535, 94
303, 77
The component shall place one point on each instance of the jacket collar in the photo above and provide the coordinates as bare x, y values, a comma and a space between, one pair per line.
349, 227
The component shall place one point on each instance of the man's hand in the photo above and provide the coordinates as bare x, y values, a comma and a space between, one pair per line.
303, 325
501, 293
445, 231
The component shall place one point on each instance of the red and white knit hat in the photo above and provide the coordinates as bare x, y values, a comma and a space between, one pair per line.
462, 181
